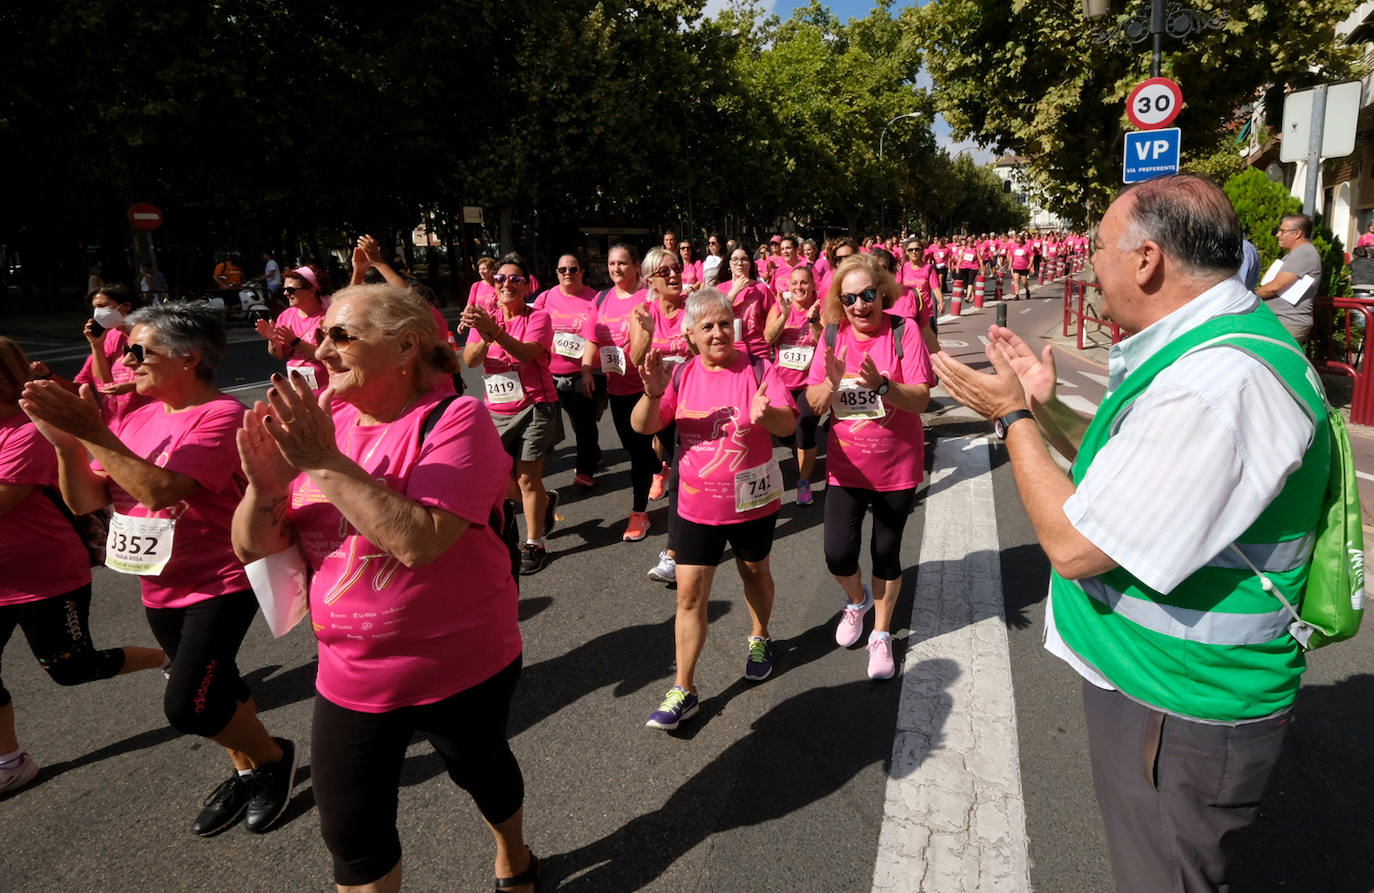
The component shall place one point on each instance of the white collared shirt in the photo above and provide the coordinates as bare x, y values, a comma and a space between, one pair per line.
1196, 457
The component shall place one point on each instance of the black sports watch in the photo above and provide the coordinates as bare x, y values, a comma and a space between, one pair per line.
882, 388
1002, 423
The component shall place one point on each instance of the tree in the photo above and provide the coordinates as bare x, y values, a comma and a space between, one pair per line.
1029, 77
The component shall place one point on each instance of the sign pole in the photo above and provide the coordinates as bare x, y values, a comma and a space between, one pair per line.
1314, 149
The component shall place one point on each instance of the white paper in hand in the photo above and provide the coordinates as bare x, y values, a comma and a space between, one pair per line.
282, 585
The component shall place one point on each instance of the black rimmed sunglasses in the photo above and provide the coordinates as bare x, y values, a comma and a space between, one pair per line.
869, 295
140, 353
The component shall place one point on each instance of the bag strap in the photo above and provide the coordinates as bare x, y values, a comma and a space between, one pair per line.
494, 519
898, 326
601, 298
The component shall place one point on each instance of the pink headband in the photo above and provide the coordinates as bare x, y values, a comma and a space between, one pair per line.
307, 274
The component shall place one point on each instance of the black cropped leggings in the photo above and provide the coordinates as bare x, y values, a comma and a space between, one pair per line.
845, 508
356, 761
59, 634
644, 463
203, 642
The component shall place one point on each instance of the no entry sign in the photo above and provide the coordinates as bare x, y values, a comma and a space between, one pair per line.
1154, 103
145, 216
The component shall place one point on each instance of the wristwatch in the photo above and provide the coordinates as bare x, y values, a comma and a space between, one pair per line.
882, 388
1002, 423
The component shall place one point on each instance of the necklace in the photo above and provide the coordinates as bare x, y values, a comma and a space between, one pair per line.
353, 430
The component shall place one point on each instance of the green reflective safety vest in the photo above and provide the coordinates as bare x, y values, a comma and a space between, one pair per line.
1216, 647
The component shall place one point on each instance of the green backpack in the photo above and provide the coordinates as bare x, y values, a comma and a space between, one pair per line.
1333, 599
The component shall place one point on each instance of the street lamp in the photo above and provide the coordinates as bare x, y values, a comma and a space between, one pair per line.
1175, 20
882, 213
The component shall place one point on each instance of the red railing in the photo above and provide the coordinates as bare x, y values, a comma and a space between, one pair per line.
1345, 356
1075, 300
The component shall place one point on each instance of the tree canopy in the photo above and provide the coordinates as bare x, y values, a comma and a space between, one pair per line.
1028, 76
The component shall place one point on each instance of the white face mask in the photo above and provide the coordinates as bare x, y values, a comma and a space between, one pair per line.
108, 317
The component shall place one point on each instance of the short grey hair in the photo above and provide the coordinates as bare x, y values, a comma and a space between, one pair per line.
1190, 218
185, 329
702, 300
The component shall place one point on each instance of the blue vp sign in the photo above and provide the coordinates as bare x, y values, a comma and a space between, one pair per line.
1150, 154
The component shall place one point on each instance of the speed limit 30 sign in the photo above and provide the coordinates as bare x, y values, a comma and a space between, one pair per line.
1154, 103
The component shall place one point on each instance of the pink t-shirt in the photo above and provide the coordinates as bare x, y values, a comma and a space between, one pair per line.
751, 310
40, 553
877, 454
968, 258
782, 273
536, 381
939, 254
1020, 257
483, 294
392, 636
796, 333
914, 304
304, 327
691, 272
614, 320
570, 315
199, 443
669, 339
113, 406
711, 409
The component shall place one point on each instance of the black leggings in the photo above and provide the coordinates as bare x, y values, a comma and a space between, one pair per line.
807, 423
643, 463
59, 635
356, 761
581, 411
845, 508
203, 642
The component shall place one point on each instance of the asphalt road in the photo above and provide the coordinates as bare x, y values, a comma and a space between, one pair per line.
783, 785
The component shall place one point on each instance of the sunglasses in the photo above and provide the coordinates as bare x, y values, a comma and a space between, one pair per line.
566, 271
662, 272
338, 334
140, 353
513, 279
290, 290
869, 295
912, 250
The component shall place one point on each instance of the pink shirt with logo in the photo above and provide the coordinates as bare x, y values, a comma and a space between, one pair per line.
878, 454
571, 314
391, 636
782, 273
304, 327
968, 258
532, 326
614, 321
197, 442
669, 339
112, 406
717, 442
483, 294
40, 554
691, 272
796, 332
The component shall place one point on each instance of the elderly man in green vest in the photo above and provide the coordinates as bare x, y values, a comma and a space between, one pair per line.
1205, 441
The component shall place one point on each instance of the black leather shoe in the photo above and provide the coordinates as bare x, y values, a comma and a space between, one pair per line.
223, 807
270, 789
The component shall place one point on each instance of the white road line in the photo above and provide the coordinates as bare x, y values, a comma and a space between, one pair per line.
1082, 404
1092, 376
984, 340
1065, 383
1364, 476
954, 818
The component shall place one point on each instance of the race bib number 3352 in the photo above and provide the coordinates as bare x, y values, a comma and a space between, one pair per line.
139, 546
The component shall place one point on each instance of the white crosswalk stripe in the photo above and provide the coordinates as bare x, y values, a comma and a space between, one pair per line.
954, 818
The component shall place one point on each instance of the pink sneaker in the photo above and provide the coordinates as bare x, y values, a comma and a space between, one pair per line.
851, 624
659, 487
638, 528
880, 663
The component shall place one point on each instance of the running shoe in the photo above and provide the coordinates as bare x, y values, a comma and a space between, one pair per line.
804, 496
880, 663
659, 488
223, 807
551, 517
851, 624
666, 569
759, 666
270, 789
14, 777
638, 528
532, 559
678, 704
585, 481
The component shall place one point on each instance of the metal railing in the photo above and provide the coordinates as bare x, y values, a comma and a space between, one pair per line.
1076, 307
1337, 347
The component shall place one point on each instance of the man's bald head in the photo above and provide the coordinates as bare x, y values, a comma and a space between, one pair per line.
1190, 219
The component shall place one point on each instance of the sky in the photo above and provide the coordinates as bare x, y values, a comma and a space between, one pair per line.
853, 9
